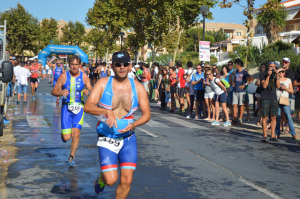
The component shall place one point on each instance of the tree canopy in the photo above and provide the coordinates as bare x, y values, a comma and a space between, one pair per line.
48, 31
23, 30
73, 33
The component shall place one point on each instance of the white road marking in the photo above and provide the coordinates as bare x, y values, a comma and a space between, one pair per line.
184, 123
153, 123
84, 124
151, 134
263, 190
36, 121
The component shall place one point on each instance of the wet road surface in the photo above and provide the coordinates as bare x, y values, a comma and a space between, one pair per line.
177, 158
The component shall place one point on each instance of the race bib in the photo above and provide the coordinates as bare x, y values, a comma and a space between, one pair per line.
112, 144
74, 108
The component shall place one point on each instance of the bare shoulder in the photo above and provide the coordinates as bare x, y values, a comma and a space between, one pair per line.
140, 89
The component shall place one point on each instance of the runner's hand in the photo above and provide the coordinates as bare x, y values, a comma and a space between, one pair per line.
128, 128
64, 92
86, 92
242, 87
111, 119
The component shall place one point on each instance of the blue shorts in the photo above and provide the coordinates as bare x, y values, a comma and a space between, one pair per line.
22, 87
230, 97
54, 82
112, 150
221, 98
70, 120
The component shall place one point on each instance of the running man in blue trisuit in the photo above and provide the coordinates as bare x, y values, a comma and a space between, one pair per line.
116, 99
71, 85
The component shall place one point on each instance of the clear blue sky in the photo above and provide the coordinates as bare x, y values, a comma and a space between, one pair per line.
76, 10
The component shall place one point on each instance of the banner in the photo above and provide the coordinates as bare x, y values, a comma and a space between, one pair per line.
204, 51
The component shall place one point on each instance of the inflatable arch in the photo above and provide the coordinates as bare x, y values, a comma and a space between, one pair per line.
61, 50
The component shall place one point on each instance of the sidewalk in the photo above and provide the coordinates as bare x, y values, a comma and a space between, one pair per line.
247, 125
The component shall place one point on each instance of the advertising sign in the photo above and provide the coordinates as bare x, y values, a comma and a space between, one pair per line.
204, 51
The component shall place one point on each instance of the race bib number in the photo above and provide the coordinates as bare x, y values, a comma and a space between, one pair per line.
74, 108
112, 144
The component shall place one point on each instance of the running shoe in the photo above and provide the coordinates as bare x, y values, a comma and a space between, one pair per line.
71, 162
234, 121
265, 139
172, 111
295, 114
25, 103
18, 102
196, 117
33, 98
6, 121
239, 121
188, 117
227, 123
99, 185
179, 112
215, 123
274, 139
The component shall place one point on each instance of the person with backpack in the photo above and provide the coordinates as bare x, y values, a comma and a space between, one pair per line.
226, 78
220, 97
241, 80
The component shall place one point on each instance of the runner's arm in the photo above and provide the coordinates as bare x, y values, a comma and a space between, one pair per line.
144, 106
87, 82
295, 83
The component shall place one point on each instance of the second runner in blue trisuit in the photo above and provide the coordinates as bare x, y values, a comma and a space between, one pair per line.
71, 85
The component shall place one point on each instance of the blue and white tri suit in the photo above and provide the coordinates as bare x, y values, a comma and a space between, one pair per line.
112, 145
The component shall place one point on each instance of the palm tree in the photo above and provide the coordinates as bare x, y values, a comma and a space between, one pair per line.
272, 18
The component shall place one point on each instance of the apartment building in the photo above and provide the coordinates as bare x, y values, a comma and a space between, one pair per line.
290, 33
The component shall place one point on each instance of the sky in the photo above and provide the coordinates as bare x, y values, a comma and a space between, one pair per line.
75, 10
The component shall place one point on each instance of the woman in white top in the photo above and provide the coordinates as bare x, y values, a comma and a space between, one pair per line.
209, 95
285, 88
220, 96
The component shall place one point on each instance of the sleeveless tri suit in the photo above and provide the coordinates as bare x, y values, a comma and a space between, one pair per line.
112, 145
34, 76
72, 106
56, 73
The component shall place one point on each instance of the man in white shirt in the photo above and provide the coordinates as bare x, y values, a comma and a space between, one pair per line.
16, 68
22, 74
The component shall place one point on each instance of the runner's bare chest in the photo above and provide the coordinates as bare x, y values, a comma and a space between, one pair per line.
121, 102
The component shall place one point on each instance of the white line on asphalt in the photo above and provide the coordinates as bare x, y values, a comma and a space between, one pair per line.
263, 190
84, 124
36, 121
151, 134
184, 123
153, 123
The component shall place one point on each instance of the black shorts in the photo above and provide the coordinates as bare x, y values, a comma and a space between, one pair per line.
95, 75
181, 92
199, 95
187, 90
33, 80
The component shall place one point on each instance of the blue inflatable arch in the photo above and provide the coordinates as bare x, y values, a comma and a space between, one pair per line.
61, 50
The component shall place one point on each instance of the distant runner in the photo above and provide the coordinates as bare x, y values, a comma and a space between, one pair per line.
114, 100
71, 85
35, 70
57, 71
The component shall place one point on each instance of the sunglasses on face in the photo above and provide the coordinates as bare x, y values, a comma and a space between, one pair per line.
281, 71
208, 74
198, 68
285, 62
229, 64
120, 64
214, 68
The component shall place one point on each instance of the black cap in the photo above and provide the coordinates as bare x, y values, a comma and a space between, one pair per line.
121, 56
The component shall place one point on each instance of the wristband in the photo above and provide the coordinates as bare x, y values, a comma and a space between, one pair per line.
246, 84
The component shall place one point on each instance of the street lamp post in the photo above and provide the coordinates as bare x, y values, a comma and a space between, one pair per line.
122, 34
204, 10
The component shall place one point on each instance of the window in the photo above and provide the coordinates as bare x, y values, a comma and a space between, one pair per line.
149, 55
149, 45
238, 33
158, 54
227, 35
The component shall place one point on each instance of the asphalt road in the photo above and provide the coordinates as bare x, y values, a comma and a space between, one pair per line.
177, 158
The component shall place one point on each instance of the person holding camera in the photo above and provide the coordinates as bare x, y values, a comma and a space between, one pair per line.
285, 88
269, 103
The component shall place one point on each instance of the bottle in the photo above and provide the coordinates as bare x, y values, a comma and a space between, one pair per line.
102, 118
65, 186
